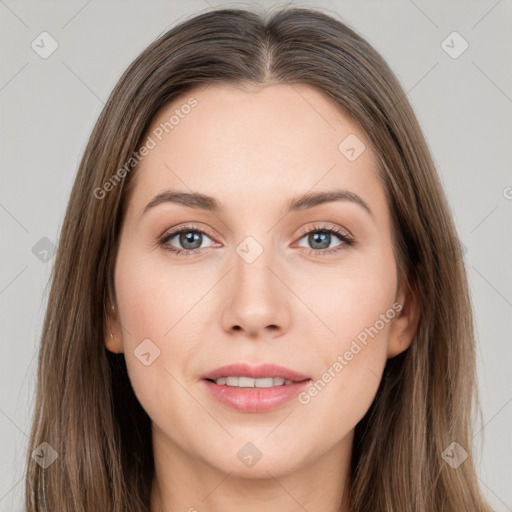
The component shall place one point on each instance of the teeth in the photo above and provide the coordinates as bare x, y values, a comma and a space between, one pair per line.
247, 382
232, 381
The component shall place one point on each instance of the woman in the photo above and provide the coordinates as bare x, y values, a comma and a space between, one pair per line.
258, 298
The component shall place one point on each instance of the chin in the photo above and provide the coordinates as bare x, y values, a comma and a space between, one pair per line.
256, 459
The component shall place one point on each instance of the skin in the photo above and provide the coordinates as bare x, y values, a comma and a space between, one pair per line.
254, 149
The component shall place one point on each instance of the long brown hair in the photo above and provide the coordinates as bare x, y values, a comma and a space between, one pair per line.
86, 409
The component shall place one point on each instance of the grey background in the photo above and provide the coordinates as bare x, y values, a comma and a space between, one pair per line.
48, 108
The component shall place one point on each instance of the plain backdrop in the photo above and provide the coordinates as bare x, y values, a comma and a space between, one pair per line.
463, 100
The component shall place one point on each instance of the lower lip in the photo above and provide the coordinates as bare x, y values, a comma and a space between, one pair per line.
255, 399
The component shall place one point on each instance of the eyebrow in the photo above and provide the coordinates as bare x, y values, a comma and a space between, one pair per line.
200, 201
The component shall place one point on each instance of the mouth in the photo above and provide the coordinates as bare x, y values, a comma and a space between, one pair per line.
254, 389
248, 382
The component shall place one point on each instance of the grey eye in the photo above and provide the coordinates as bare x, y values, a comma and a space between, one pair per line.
188, 239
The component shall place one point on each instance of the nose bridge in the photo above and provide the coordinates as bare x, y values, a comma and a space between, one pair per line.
253, 279
256, 297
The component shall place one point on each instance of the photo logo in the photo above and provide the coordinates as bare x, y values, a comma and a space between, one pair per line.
454, 45
249, 249
454, 455
45, 455
351, 147
44, 45
146, 352
249, 454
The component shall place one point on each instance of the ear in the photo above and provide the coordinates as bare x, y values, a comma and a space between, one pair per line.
405, 323
113, 333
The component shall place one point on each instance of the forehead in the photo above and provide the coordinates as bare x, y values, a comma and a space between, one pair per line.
248, 143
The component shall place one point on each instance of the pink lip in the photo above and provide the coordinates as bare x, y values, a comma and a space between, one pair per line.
256, 372
255, 400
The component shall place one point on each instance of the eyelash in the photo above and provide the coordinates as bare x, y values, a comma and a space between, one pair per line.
347, 240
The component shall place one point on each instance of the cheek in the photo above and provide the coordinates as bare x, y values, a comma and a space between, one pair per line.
160, 328
355, 304
154, 297
349, 298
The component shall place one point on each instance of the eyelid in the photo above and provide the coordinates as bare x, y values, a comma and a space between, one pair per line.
186, 227
326, 226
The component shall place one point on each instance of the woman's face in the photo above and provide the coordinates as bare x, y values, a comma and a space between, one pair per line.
259, 280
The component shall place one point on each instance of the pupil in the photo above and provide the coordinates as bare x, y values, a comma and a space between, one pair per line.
324, 239
190, 237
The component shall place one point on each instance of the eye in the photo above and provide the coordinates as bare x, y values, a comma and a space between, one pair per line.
188, 239
321, 239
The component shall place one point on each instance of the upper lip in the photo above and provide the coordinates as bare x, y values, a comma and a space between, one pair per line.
256, 372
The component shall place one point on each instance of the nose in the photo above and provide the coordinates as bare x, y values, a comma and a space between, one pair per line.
256, 300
